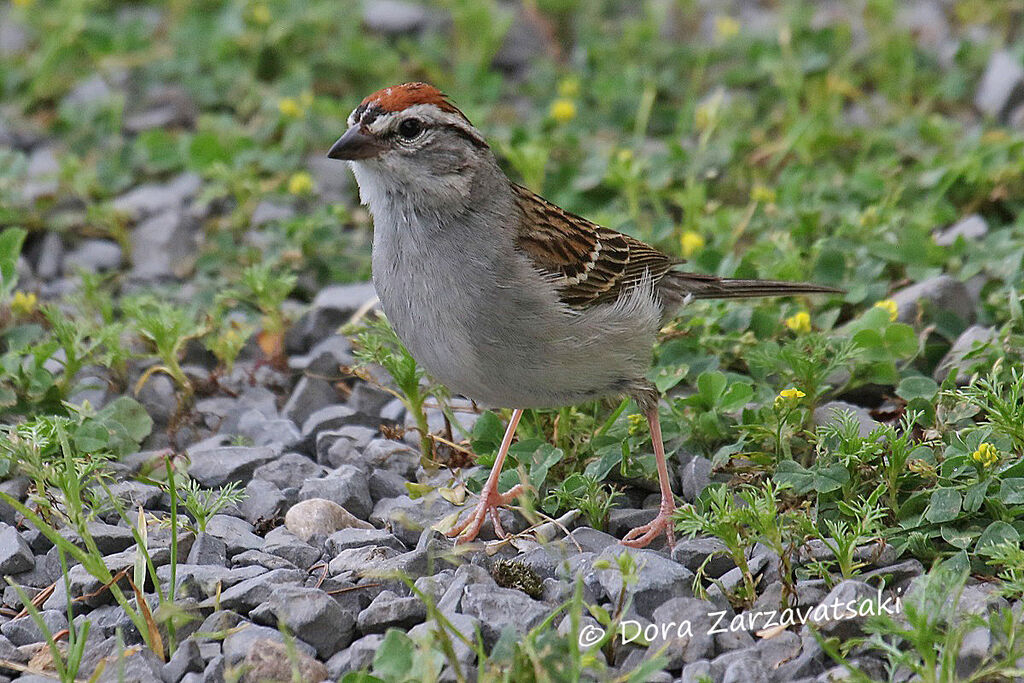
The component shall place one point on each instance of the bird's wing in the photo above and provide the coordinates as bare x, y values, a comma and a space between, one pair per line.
588, 263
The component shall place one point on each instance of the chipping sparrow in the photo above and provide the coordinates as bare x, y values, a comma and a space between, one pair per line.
503, 296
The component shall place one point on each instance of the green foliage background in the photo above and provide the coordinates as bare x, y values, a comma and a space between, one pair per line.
799, 150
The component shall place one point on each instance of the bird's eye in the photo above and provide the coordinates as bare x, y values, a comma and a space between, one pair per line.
410, 128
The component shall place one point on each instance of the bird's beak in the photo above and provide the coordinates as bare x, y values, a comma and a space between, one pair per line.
354, 145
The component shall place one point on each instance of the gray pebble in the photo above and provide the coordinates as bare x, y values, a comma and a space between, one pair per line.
213, 467
310, 395
23, 630
288, 470
659, 579
1002, 85
942, 293
207, 549
15, 553
972, 227
391, 611
312, 615
347, 486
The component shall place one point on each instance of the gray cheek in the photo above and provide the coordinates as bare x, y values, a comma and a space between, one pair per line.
444, 161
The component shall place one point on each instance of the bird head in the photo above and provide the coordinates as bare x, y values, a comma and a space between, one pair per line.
410, 139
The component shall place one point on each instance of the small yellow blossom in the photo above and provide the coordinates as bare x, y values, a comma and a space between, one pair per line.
869, 217
563, 110
290, 107
890, 307
261, 14
702, 117
785, 36
841, 86
691, 242
725, 28
636, 423
706, 115
23, 303
22, 3
569, 87
995, 136
986, 455
788, 396
762, 194
624, 156
300, 183
799, 322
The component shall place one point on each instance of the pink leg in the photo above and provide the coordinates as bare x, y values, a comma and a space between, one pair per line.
490, 499
641, 536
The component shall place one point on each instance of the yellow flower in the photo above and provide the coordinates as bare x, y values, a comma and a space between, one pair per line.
636, 423
22, 3
563, 110
261, 14
569, 87
691, 242
785, 36
725, 28
300, 183
869, 216
986, 455
890, 306
787, 396
995, 136
762, 194
290, 107
705, 116
799, 322
841, 86
23, 303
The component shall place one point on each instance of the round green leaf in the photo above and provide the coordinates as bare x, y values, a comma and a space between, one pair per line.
958, 538
91, 437
917, 387
996, 533
944, 505
1011, 491
901, 340
394, 656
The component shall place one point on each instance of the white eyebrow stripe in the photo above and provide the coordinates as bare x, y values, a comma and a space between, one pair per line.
381, 122
429, 112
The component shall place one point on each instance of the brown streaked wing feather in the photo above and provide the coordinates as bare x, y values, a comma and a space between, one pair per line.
589, 263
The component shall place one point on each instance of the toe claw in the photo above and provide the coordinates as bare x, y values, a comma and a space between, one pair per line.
642, 536
488, 505
458, 528
499, 531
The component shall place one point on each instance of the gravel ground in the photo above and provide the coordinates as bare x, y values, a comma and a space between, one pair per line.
328, 521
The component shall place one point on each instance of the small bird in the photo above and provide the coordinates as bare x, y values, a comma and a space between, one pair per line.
504, 297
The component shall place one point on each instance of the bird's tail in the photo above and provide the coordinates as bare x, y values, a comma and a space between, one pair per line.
700, 286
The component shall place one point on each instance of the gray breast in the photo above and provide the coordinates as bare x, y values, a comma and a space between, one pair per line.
479, 318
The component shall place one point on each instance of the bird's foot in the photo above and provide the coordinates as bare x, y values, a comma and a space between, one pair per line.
642, 536
490, 501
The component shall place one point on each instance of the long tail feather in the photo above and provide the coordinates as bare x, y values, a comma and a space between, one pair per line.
700, 286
